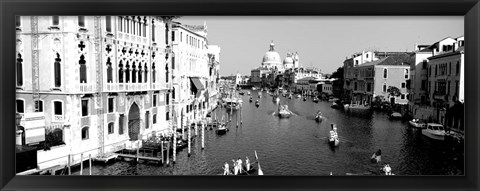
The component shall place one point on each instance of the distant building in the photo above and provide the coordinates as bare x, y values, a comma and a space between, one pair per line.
367, 77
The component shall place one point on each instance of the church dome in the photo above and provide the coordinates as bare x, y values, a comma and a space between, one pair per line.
271, 58
288, 60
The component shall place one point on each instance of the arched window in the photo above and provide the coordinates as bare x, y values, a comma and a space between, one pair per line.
19, 70
81, 21
140, 72
110, 128
134, 73
120, 24
120, 124
146, 72
108, 23
385, 73
55, 20
109, 71
147, 120
153, 30
406, 73
127, 73
120, 72
173, 93
85, 133
57, 72
154, 118
83, 69
173, 61
166, 73
384, 87
153, 72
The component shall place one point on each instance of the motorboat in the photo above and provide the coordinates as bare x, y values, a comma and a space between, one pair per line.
417, 123
241, 93
434, 131
251, 99
337, 105
283, 112
304, 98
222, 129
257, 103
299, 96
395, 115
290, 96
248, 93
315, 99
254, 88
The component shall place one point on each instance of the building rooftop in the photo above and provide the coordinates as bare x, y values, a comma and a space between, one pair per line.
394, 60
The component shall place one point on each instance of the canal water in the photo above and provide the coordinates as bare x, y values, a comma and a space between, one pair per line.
298, 145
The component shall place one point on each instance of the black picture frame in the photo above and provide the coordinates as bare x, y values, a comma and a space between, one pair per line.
8, 9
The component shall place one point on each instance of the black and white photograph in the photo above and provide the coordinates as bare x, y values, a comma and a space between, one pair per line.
240, 95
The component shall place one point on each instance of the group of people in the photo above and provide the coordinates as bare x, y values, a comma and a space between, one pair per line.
237, 166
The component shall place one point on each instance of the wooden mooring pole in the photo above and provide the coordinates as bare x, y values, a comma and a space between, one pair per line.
69, 169
81, 164
168, 152
189, 139
138, 150
161, 148
203, 135
90, 163
174, 145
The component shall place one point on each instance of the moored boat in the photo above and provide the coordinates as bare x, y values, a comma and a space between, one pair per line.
434, 131
222, 129
251, 99
257, 103
417, 123
241, 93
395, 115
315, 99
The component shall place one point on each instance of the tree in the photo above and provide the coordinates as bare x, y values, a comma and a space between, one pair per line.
394, 91
337, 74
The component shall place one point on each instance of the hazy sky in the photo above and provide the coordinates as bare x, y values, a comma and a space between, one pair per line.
321, 41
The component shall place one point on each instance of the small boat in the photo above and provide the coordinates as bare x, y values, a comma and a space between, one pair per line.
241, 93
251, 99
248, 93
232, 104
337, 105
254, 88
304, 98
222, 129
257, 103
283, 112
259, 96
333, 140
299, 96
318, 117
333, 99
395, 115
417, 123
434, 131
290, 96
376, 157
315, 99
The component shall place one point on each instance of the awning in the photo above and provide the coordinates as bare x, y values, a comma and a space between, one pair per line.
197, 83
